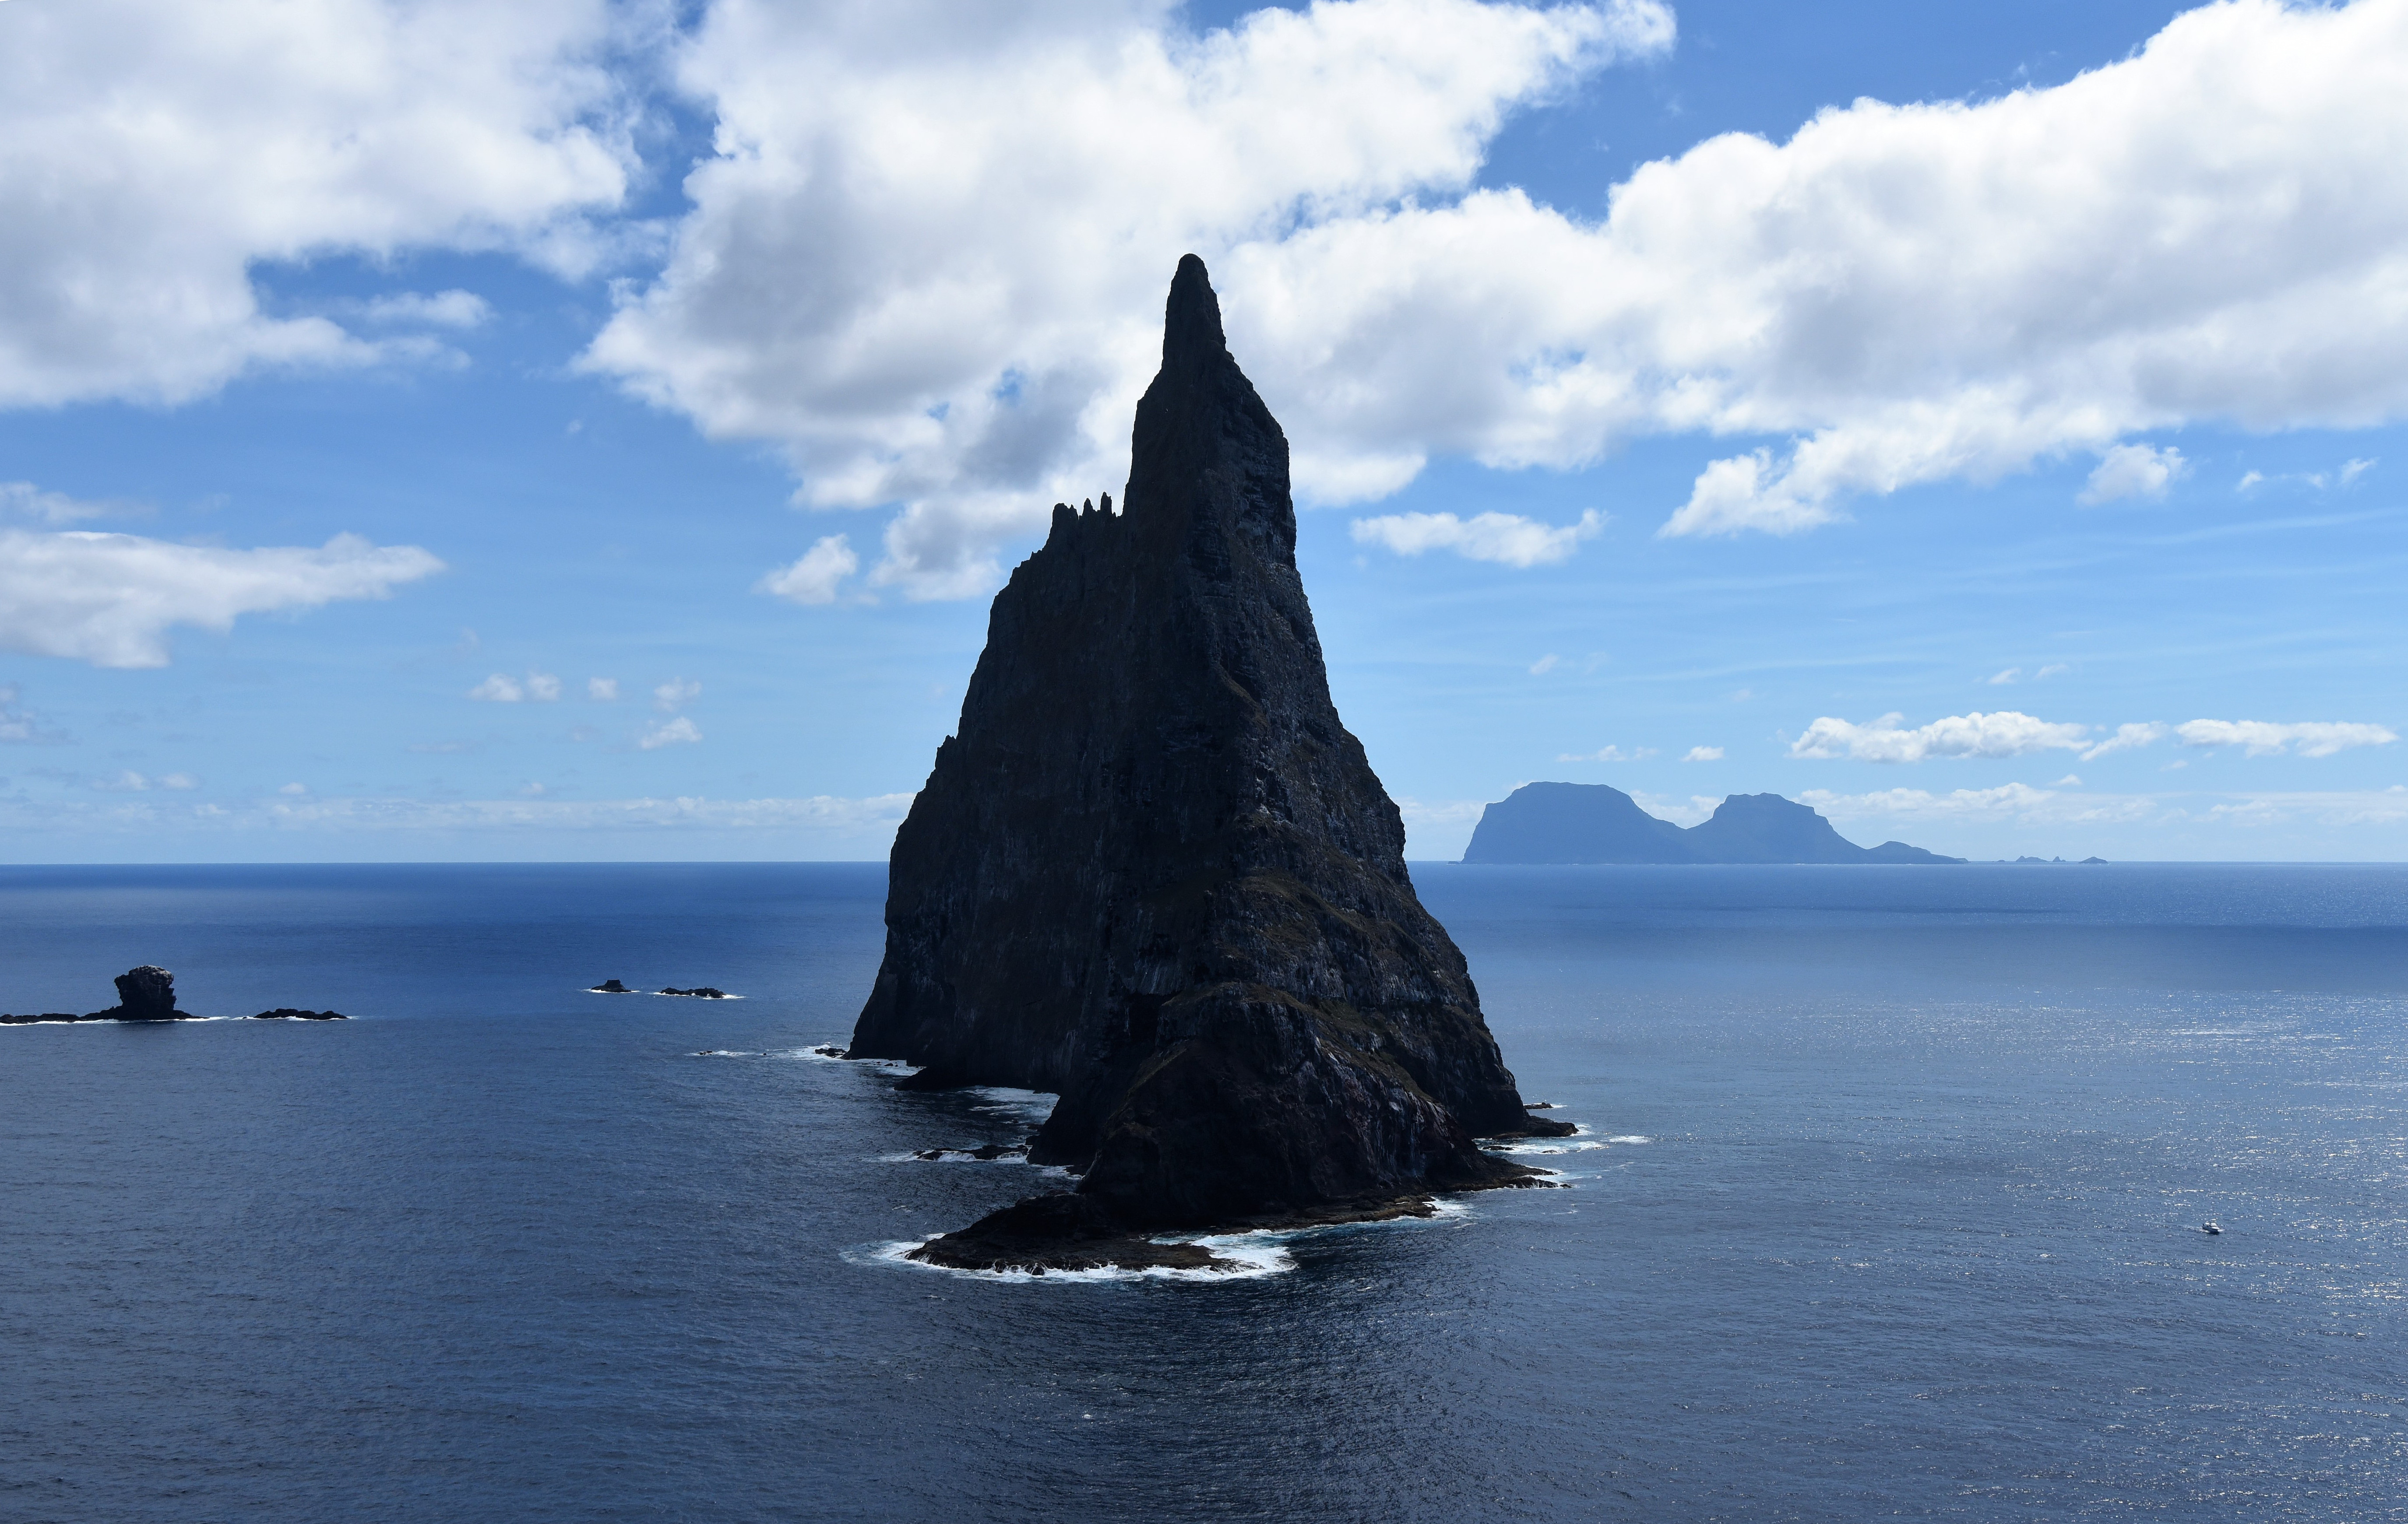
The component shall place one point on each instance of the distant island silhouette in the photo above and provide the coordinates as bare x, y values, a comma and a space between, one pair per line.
1592, 823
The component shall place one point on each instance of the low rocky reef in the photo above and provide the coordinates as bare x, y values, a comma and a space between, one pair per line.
700, 991
149, 995
1070, 1232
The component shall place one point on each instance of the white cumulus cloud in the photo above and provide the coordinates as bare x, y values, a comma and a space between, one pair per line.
675, 695
501, 688
2260, 738
1507, 538
670, 733
110, 599
2139, 471
1704, 754
151, 154
1897, 293
813, 576
927, 255
2004, 734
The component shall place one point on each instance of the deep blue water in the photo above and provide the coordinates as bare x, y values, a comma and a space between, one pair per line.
1912, 1234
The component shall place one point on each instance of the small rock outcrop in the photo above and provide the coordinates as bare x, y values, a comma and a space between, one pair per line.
700, 991
149, 995
1154, 872
143, 994
610, 987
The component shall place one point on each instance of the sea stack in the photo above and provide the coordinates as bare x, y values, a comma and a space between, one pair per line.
1154, 872
143, 994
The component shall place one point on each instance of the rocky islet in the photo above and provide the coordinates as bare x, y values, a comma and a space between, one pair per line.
149, 995
1153, 873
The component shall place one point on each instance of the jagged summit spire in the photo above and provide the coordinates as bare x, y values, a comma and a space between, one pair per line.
1191, 319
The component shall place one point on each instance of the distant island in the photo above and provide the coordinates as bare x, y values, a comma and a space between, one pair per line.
1590, 823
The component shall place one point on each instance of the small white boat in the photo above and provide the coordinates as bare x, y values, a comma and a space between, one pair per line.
2209, 1228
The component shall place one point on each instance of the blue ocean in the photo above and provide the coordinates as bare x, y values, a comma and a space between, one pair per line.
1886, 1205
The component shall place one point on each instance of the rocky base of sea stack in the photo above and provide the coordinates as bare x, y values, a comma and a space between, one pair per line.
1070, 1232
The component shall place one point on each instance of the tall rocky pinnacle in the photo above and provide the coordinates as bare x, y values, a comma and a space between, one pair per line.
1154, 873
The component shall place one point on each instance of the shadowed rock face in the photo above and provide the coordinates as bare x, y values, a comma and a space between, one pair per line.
1152, 871
147, 994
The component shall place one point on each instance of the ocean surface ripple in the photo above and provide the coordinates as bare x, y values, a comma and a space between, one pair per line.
1886, 1204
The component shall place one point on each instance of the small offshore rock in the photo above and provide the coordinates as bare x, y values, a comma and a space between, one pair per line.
143, 994
283, 1013
610, 987
830, 1051
700, 991
28, 1019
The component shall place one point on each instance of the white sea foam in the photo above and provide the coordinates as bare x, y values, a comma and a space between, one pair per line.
1630, 1137
1250, 1261
1520, 1149
830, 1053
1253, 1255
728, 1053
1003, 1101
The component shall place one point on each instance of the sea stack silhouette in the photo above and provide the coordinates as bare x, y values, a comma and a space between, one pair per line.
1154, 872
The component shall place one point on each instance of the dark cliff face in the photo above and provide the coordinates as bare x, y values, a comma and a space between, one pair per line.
1154, 872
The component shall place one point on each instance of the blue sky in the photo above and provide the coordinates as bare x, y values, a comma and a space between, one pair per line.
594, 431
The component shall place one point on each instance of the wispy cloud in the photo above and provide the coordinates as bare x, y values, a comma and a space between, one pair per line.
668, 732
110, 599
2126, 738
1506, 538
443, 310
2005, 733
294, 811
2261, 738
1704, 754
1611, 754
20, 728
24, 499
